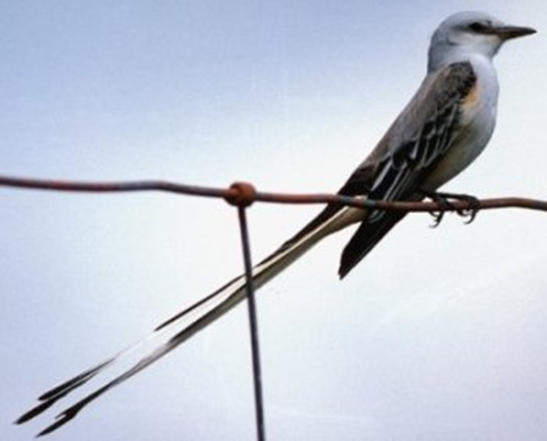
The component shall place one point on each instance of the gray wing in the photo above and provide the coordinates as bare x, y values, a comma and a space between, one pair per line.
418, 139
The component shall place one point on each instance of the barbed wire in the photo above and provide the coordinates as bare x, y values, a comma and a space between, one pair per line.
244, 194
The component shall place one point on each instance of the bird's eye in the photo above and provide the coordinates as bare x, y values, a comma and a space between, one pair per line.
479, 27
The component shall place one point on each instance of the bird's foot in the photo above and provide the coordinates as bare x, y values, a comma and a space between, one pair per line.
443, 199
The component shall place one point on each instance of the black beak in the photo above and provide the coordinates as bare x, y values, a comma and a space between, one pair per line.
510, 32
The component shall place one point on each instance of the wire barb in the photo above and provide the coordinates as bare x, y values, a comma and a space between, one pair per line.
243, 194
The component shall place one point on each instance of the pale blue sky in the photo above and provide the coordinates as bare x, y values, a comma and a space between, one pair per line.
439, 334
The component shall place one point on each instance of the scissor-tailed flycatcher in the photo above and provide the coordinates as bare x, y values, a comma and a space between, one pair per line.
441, 131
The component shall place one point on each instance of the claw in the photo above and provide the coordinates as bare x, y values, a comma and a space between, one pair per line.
444, 203
469, 214
437, 218
472, 210
443, 200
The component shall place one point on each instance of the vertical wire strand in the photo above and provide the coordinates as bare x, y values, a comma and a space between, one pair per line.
253, 325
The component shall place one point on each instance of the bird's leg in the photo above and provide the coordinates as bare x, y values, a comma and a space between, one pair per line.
473, 204
443, 202
443, 199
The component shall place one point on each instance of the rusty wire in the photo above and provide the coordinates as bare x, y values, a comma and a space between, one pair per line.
253, 323
250, 195
242, 195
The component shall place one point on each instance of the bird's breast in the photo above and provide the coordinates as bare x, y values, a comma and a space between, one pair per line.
478, 119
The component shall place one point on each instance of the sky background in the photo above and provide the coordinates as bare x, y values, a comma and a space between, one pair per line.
438, 335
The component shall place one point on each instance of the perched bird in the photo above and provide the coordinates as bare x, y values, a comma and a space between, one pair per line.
445, 126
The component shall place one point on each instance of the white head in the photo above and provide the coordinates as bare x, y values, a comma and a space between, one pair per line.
467, 34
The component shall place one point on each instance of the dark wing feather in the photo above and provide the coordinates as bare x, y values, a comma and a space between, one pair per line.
358, 185
415, 143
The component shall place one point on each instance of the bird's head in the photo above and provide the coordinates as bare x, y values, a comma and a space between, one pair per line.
470, 33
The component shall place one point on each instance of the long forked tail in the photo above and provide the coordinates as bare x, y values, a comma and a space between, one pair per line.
185, 324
